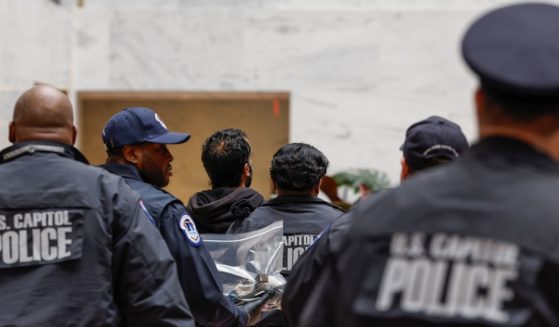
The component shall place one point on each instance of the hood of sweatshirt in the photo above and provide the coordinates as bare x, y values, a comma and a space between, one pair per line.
214, 210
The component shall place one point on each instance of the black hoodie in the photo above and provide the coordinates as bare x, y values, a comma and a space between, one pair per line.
214, 210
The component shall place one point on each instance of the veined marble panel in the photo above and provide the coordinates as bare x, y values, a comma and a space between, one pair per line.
175, 50
366, 51
194, 49
92, 49
35, 44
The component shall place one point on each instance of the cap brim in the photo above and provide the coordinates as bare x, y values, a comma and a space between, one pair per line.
170, 138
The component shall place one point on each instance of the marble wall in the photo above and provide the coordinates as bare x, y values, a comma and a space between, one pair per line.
359, 71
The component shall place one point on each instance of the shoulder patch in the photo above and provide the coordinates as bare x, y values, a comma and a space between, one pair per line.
189, 229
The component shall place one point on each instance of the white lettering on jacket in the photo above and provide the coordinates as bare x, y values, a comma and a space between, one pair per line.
449, 276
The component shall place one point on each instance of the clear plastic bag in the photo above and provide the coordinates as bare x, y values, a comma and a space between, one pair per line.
249, 263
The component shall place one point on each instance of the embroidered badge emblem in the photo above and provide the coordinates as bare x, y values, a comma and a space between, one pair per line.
189, 229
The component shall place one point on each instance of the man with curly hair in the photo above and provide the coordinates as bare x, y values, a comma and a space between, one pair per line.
296, 170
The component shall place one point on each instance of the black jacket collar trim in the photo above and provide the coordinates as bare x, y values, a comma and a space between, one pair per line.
30, 147
123, 170
513, 149
286, 199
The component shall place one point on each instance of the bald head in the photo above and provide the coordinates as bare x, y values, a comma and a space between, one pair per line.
43, 113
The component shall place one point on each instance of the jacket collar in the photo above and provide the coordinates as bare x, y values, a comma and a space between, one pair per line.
123, 170
514, 150
30, 147
287, 199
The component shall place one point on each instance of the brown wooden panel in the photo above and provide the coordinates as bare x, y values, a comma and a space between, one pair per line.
263, 116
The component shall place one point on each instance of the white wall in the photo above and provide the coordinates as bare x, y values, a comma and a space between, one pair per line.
359, 71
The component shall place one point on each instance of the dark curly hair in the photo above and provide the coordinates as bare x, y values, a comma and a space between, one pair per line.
298, 167
224, 155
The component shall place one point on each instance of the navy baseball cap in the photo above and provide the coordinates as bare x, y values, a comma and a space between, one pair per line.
514, 50
434, 137
137, 125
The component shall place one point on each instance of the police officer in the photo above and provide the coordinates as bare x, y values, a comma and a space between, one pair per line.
428, 143
136, 140
473, 243
76, 249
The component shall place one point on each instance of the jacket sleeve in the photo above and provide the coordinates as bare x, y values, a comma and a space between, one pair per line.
550, 291
145, 275
306, 272
197, 273
303, 278
320, 306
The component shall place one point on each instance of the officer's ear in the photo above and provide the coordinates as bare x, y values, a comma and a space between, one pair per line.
405, 171
74, 134
481, 106
131, 154
247, 171
490, 115
12, 132
481, 102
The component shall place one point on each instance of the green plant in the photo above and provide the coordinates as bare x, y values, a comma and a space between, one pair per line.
372, 179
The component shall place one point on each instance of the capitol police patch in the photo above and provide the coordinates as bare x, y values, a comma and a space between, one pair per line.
189, 229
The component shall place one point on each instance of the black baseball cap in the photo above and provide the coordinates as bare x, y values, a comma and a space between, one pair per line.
514, 50
138, 125
434, 137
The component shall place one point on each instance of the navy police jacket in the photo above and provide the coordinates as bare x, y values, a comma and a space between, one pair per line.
197, 271
305, 273
76, 249
473, 243
304, 217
